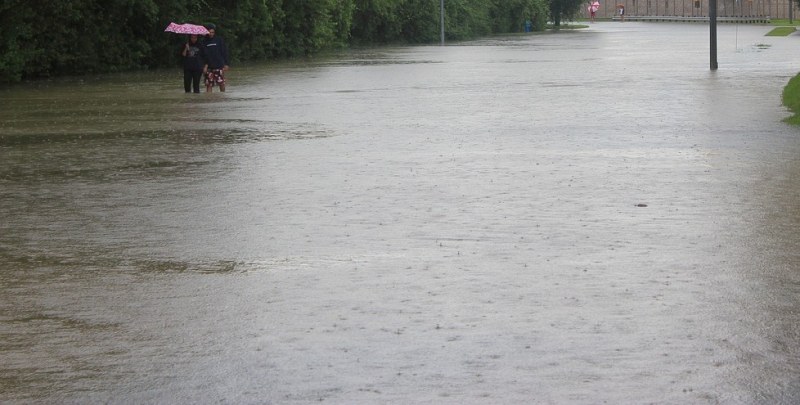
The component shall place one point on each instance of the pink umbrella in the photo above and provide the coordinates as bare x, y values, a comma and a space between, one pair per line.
190, 29
595, 6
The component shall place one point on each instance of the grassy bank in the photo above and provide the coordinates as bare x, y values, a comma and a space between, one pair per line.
781, 32
791, 99
784, 22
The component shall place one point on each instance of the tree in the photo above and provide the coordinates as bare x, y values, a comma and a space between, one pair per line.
511, 15
16, 33
467, 19
252, 25
564, 9
95, 36
419, 20
376, 21
311, 25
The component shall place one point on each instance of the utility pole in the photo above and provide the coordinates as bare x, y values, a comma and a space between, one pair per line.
712, 18
442, 20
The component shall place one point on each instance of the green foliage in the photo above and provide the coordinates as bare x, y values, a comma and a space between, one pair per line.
16, 51
47, 38
564, 10
376, 21
250, 24
467, 19
308, 26
42, 38
791, 99
419, 20
511, 15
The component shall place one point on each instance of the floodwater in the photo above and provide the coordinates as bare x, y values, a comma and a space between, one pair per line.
587, 217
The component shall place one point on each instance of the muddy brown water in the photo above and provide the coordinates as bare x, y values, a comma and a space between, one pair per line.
586, 217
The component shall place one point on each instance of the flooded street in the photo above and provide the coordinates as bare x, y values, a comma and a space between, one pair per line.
587, 217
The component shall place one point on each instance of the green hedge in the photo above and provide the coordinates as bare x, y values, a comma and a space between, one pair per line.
43, 38
791, 99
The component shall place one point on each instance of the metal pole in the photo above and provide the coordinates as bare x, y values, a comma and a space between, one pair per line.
791, 8
442, 20
712, 17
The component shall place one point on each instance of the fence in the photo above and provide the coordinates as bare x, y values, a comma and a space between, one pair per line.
765, 9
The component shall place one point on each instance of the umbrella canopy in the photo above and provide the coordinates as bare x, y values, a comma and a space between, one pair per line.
595, 6
190, 29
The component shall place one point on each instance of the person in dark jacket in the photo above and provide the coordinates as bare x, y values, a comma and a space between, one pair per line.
215, 55
192, 64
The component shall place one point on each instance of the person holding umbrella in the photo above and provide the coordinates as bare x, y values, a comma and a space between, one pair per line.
191, 53
215, 54
192, 64
593, 7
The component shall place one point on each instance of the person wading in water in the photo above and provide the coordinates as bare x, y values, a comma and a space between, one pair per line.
215, 54
192, 65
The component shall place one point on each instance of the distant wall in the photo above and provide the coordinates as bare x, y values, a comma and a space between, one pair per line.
776, 9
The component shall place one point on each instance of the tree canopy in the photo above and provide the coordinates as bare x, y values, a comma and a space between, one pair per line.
564, 10
44, 38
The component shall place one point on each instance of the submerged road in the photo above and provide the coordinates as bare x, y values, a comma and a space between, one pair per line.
583, 217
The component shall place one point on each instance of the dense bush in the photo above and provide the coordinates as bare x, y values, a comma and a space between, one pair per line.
41, 38
511, 15
564, 9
